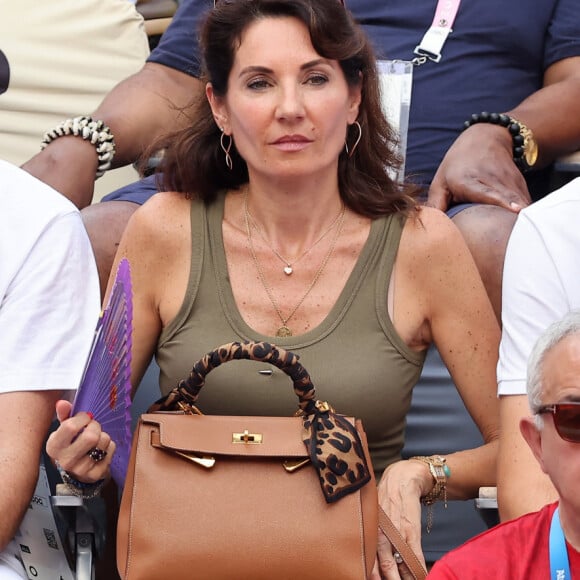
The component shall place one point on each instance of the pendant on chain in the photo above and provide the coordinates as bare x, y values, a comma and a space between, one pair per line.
283, 331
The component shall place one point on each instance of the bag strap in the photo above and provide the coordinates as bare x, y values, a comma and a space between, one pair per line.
400, 545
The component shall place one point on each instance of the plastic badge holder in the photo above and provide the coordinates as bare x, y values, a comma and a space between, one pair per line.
395, 82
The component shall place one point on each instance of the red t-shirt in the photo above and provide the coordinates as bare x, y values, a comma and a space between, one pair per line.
514, 550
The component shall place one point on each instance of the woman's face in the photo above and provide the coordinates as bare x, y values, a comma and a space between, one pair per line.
287, 108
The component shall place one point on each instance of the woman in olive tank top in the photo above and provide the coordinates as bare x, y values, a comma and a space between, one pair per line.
281, 222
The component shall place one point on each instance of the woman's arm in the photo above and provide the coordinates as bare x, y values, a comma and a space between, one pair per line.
158, 256
156, 243
462, 325
439, 297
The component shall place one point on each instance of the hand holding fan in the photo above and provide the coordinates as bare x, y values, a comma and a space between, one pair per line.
105, 388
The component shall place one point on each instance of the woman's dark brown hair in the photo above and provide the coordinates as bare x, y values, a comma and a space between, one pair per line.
194, 162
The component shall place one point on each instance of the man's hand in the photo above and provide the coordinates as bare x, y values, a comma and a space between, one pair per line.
479, 168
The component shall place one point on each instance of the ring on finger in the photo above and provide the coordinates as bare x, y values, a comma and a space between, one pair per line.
398, 558
97, 454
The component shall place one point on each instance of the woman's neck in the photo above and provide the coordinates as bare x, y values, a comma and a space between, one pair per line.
293, 214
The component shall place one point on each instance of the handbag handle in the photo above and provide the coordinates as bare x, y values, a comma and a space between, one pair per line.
188, 389
413, 563
332, 443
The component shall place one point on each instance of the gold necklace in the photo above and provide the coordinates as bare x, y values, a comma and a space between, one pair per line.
284, 330
289, 264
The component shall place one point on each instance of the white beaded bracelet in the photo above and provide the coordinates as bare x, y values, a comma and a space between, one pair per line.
96, 132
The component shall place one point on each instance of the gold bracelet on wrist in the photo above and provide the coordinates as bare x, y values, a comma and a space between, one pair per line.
440, 472
524, 145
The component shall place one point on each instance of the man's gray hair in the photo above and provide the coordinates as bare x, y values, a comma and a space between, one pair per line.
553, 335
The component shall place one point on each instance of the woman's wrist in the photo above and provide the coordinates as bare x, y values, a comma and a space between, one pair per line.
78, 488
439, 472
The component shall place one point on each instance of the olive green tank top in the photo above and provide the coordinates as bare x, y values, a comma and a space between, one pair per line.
357, 361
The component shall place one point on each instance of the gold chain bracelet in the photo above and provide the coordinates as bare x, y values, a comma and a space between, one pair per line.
440, 472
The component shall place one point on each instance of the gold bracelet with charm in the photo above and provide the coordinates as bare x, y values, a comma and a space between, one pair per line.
440, 472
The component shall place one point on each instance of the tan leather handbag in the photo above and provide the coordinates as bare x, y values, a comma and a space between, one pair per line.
247, 497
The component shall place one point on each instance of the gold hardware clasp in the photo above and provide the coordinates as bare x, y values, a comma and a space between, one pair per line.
323, 406
206, 461
188, 408
292, 465
246, 437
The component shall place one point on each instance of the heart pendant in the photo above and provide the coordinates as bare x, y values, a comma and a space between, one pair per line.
288, 270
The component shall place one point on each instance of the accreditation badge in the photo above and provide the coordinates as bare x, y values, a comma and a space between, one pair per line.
395, 82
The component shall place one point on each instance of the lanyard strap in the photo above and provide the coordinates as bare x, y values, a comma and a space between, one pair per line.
432, 43
559, 564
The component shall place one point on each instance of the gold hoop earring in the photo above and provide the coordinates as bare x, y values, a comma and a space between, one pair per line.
351, 151
226, 150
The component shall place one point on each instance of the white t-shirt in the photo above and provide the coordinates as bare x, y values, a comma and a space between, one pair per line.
541, 279
49, 289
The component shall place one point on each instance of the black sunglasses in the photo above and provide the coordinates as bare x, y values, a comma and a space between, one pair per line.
566, 419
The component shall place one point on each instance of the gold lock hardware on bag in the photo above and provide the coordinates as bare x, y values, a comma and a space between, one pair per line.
245, 437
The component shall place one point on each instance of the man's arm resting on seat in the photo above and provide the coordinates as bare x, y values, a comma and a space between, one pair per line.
25, 417
479, 166
138, 111
553, 112
522, 486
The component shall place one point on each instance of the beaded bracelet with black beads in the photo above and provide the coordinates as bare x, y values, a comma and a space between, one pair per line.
512, 125
96, 132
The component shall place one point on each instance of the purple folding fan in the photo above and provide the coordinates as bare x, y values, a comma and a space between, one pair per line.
105, 388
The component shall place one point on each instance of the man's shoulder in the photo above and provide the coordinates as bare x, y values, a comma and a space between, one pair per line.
512, 528
506, 550
564, 201
20, 191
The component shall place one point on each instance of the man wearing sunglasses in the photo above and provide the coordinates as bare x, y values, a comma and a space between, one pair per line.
543, 544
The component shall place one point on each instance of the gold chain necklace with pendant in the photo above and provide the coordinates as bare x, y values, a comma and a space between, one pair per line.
289, 264
284, 330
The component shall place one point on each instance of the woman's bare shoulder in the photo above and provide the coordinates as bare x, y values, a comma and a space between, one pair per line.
165, 204
429, 234
160, 225
161, 213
